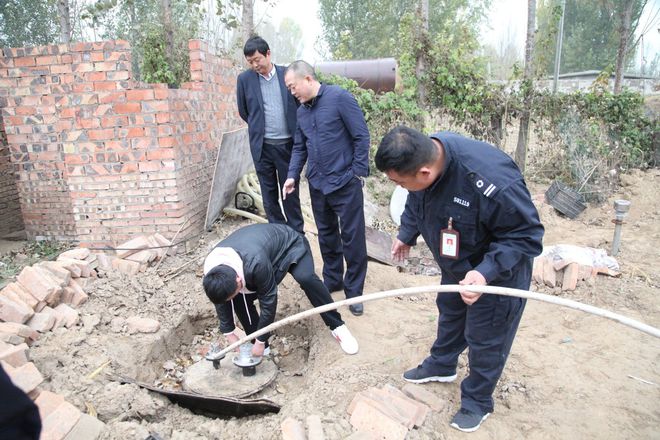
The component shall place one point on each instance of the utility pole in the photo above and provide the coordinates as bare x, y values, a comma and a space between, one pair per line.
560, 37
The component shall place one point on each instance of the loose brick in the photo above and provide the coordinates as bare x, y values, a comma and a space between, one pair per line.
83, 283
25, 296
14, 355
76, 254
369, 419
400, 399
314, 428
165, 242
87, 428
59, 317
26, 377
549, 274
569, 282
421, 394
104, 261
79, 295
292, 429
57, 270
60, 422
42, 288
132, 246
126, 267
155, 244
143, 257
14, 312
379, 400
11, 338
84, 266
47, 402
71, 266
537, 270
54, 298
560, 264
70, 315
20, 330
585, 272
42, 322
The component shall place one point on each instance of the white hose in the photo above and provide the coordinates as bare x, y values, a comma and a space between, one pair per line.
443, 289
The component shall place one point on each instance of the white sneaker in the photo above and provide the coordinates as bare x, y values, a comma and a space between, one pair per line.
346, 340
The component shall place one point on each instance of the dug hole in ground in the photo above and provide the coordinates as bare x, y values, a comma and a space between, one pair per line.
568, 375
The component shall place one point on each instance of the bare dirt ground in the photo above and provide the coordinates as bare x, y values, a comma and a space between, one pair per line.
568, 376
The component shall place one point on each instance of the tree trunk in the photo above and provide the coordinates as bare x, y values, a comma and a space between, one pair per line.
523, 133
166, 7
624, 35
248, 19
65, 20
423, 13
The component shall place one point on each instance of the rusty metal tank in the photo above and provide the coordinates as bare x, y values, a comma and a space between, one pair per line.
379, 75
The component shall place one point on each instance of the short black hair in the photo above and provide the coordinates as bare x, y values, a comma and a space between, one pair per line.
255, 44
405, 150
220, 283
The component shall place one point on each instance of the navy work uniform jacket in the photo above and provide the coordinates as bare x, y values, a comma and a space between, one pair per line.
484, 193
251, 107
333, 138
267, 252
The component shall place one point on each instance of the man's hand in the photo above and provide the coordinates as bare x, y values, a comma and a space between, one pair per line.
231, 338
473, 278
288, 188
258, 348
400, 250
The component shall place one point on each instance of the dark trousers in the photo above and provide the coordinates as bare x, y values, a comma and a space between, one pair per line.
304, 274
487, 327
272, 170
339, 219
19, 416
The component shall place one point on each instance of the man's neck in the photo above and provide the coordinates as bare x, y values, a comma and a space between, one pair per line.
439, 164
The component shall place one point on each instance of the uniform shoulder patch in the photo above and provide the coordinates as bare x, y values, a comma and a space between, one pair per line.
484, 186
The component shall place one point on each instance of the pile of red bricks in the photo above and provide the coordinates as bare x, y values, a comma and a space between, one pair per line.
137, 254
386, 413
43, 299
565, 274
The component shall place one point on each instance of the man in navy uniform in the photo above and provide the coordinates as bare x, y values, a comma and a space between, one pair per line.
270, 112
332, 137
470, 203
248, 265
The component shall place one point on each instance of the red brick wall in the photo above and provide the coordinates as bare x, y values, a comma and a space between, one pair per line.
101, 158
11, 218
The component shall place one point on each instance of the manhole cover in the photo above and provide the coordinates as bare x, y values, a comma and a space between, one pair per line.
228, 380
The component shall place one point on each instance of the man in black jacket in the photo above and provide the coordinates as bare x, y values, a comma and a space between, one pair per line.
248, 265
270, 111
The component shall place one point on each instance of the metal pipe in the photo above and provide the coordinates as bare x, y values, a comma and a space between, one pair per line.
506, 291
621, 208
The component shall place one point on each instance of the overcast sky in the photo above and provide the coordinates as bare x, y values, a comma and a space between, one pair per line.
505, 15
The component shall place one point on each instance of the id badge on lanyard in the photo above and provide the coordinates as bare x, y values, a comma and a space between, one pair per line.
449, 241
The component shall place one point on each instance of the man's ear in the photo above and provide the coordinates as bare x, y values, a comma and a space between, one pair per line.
424, 172
239, 281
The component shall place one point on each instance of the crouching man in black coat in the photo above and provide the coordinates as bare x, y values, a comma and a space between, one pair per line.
248, 265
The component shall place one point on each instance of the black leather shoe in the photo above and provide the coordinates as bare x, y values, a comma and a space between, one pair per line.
356, 309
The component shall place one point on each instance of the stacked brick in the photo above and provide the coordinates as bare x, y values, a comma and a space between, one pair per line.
387, 413
565, 274
137, 254
99, 157
43, 299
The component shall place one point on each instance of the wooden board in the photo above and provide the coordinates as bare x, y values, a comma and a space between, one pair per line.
233, 161
379, 246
